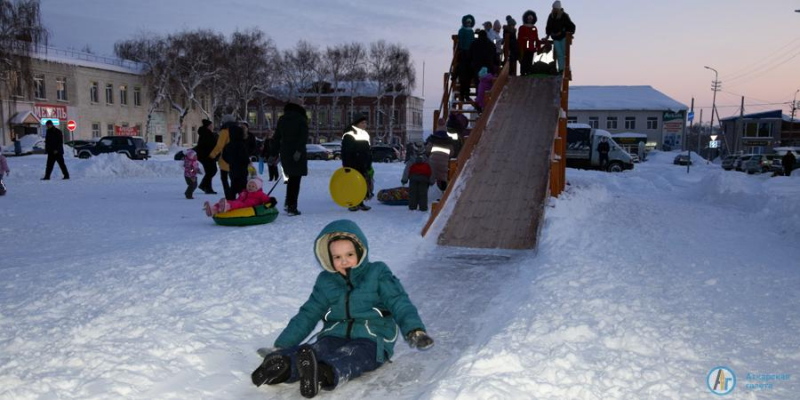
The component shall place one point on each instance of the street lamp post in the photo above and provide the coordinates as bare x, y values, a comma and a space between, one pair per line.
714, 87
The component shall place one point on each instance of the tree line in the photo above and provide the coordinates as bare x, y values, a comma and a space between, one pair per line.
216, 74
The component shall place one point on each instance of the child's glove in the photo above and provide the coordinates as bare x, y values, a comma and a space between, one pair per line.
419, 339
403, 181
296, 156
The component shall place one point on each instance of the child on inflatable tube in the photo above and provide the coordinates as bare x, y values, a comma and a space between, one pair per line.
361, 303
250, 197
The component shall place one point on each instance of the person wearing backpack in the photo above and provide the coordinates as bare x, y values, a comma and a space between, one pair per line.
419, 175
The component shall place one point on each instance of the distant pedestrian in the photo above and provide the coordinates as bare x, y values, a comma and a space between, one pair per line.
289, 146
603, 148
272, 168
206, 141
54, 146
438, 150
190, 170
496, 35
3, 171
17, 146
510, 45
483, 54
357, 154
528, 41
788, 161
235, 155
641, 151
558, 26
222, 140
419, 176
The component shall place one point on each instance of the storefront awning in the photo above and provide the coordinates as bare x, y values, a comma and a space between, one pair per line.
24, 118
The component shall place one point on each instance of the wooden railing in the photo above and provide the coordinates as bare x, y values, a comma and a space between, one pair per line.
449, 87
558, 159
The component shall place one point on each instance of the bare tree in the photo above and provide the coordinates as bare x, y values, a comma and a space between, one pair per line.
192, 67
249, 54
151, 51
335, 61
354, 70
297, 67
379, 68
401, 77
21, 32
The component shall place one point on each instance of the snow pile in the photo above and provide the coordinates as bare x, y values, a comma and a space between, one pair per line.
115, 165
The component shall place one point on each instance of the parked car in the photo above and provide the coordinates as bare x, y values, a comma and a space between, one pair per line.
384, 153
335, 147
132, 146
759, 163
682, 159
31, 144
157, 148
727, 162
318, 152
739, 163
78, 142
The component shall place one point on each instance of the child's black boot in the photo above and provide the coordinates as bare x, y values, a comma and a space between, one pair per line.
308, 369
274, 370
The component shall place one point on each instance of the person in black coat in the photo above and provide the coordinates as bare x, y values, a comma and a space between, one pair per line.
788, 161
289, 146
602, 149
558, 26
206, 140
235, 154
54, 147
265, 154
483, 53
357, 154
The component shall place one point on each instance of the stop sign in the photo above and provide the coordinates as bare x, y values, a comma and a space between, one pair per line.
71, 125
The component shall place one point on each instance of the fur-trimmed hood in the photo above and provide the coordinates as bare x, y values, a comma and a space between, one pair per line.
342, 227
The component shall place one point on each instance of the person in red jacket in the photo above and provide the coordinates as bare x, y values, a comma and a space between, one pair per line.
528, 41
250, 197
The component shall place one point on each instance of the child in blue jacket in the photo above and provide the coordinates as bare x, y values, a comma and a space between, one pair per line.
363, 307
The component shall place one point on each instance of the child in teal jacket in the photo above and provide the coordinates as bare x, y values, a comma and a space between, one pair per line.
363, 307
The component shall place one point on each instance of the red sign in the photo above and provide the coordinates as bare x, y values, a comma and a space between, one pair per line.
126, 130
71, 125
50, 111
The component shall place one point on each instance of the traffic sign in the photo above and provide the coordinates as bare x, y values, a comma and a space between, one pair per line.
71, 125
714, 144
690, 116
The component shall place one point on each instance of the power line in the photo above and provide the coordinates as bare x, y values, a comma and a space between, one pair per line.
760, 73
766, 60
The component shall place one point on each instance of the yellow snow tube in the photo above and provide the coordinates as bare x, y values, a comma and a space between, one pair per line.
348, 187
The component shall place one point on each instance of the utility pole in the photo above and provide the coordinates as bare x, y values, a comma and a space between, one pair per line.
794, 106
740, 134
686, 139
716, 86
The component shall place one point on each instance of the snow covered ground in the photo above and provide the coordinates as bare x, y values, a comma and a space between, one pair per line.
112, 285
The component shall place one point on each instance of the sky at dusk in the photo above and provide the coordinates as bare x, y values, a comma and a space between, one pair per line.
755, 45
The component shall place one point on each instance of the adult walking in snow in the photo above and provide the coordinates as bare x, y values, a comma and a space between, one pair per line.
357, 154
54, 146
289, 145
602, 150
510, 45
235, 155
558, 25
363, 308
528, 41
465, 38
788, 161
224, 169
206, 141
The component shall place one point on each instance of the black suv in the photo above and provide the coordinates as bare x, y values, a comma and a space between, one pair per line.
384, 153
133, 147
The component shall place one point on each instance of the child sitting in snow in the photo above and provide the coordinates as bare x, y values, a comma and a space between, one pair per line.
3, 171
250, 197
419, 176
360, 304
190, 170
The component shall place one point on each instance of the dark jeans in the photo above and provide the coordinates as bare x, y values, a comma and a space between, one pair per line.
273, 172
226, 185
527, 62
603, 160
418, 194
465, 74
52, 158
191, 185
210, 169
292, 191
787, 170
238, 183
349, 358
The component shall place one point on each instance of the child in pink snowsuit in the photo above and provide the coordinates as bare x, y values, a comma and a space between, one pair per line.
250, 197
484, 86
3, 171
190, 170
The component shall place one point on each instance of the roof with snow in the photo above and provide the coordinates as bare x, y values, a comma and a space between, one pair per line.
629, 135
609, 98
774, 114
71, 57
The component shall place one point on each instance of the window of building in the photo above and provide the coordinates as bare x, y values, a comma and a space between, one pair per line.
396, 117
252, 118
765, 129
594, 122
572, 120
95, 129
611, 122
94, 95
336, 119
38, 87
61, 89
110, 130
109, 94
15, 81
137, 96
194, 134
323, 116
268, 120
652, 123
630, 123
123, 95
